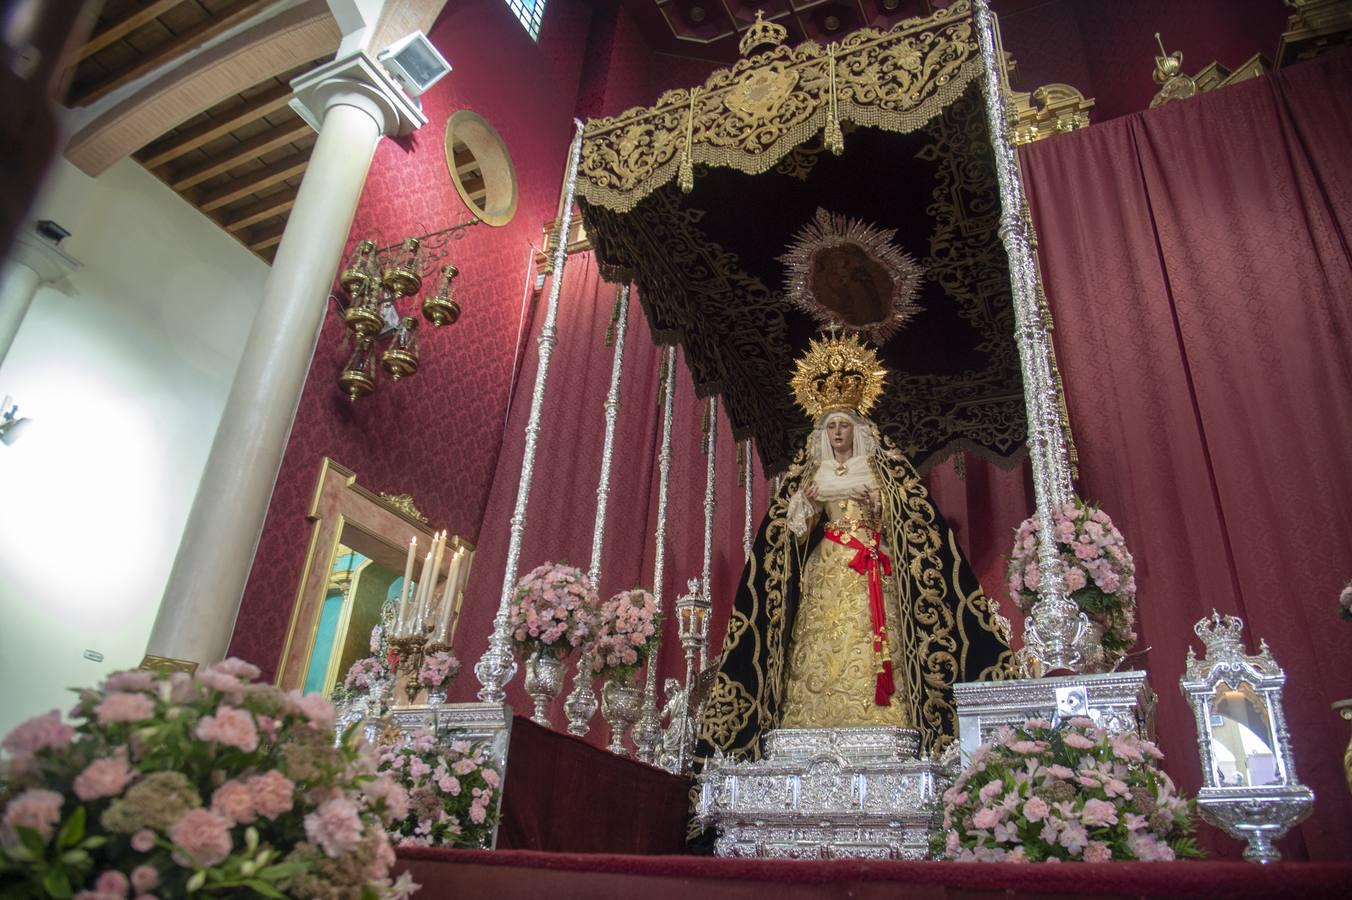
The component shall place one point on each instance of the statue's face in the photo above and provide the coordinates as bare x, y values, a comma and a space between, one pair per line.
840, 432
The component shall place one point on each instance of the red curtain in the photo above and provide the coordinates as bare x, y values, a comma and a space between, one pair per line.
1197, 262
562, 508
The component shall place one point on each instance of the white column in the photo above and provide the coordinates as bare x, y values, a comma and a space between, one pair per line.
33, 261
356, 104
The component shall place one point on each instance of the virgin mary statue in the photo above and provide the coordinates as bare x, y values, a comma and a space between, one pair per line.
856, 606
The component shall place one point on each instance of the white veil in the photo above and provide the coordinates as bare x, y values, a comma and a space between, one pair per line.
832, 484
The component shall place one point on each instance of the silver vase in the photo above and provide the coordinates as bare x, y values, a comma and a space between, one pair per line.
1051, 633
544, 678
1089, 649
620, 704
581, 703
436, 697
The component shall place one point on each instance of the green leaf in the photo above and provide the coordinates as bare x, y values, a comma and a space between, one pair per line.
195, 883
72, 832
264, 888
283, 870
57, 884
31, 841
93, 843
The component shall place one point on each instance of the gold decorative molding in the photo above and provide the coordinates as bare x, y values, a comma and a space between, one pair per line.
578, 241
1050, 110
1315, 28
165, 665
404, 503
1175, 84
749, 117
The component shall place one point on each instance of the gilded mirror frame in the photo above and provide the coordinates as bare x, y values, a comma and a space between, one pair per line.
382, 527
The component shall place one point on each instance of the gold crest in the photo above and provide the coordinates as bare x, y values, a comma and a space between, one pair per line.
838, 373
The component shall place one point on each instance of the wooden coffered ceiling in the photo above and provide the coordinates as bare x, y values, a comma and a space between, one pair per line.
240, 160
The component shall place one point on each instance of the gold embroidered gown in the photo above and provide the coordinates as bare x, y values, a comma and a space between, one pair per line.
831, 672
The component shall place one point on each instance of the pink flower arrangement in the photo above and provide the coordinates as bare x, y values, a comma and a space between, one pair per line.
364, 673
177, 783
438, 669
1039, 793
554, 610
1099, 572
628, 631
452, 793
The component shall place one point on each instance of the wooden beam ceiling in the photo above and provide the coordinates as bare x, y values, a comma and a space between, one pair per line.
218, 163
168, 149
272, 205
255, 181
124, 26
170, 50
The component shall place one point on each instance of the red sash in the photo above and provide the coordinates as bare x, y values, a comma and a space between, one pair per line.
873, 563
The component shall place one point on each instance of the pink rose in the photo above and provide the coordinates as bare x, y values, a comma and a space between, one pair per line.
335, 826
1097, 813
145, 878
1097, 852
39, 733
234, 800
477, 814
143, 841
230, 726
236, 667
1074, 838
313, 706
1035, 809
1075, 579
272, 792
135, 680
35, 808
112, 882
1078, 741
990, 790
203, 836
491, 777
124, 708
105, 777
986, 818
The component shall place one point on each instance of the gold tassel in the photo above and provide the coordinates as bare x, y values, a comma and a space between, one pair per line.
741, 465
685, 175
704, 428
833, 139
960, 466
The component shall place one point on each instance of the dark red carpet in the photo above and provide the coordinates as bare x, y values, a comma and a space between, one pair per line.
508, 874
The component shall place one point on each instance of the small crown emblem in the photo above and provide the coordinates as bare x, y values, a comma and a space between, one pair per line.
838, 373
762, 34
1221, 634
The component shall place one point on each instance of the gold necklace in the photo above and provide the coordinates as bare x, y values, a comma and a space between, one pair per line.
841, 469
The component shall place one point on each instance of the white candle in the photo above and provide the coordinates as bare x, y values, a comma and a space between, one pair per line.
430, 598
415, 625
402, 621
448, 599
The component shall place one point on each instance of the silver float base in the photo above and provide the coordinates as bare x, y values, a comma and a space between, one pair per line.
1118, 701
823, 794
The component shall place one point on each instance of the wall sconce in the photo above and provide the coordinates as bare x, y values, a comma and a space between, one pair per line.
373, 283
11, 426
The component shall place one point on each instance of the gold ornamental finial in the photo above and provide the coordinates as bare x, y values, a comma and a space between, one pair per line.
838, 373
1167, 65
762, 34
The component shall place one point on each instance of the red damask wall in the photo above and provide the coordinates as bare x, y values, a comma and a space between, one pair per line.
438, 435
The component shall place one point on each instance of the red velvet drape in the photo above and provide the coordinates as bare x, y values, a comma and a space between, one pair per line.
1197, 262
562, 508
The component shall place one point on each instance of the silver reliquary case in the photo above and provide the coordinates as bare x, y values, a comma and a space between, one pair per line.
1249, 786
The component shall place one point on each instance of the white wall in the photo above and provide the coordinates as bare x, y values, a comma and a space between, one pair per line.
124, 369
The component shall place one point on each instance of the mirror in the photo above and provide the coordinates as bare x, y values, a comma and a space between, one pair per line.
1241, 739
353, 576
1249, 787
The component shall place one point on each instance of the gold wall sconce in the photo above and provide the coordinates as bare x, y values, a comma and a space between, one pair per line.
371, 287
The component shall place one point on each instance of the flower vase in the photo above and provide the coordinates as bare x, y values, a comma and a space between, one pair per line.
436, 696
620, 703
544, 678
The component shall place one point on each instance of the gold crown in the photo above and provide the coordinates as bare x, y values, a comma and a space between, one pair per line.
762, 34
838, 373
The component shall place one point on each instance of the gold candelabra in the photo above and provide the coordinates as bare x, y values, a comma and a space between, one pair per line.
373, 283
